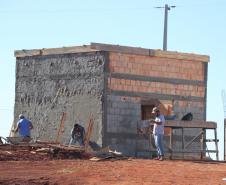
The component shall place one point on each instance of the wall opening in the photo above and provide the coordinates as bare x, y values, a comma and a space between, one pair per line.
146, 111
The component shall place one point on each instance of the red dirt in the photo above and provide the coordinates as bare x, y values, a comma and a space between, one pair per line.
123, 172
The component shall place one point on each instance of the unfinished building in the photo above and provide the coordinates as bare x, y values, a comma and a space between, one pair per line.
118, 85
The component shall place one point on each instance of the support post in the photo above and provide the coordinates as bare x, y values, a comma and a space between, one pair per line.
170, 144
202, 144
150, 145
216, 144
60, 129
182, 133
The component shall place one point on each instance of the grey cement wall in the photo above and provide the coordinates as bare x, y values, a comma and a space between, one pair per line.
196, 108
122, 117
46, 86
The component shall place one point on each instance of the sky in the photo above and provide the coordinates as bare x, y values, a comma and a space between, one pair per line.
194, 26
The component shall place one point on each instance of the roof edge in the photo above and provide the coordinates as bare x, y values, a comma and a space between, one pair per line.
113, 48
52, 51
150, 52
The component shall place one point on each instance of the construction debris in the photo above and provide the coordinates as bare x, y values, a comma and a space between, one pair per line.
43, 151
107, 154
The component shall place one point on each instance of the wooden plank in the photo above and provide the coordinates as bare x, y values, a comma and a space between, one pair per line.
66, 147
25, 53
88, 132
194, 151
150, 52
113, 48
60, 129
181, 151
182, 56
53, 51
122, 49
191, 124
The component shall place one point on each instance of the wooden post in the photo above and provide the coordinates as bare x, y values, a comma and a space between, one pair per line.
202, 145
170, 143
59, 133
216, 143
182, 133
11, 133
150, 145
88, 132
137, 136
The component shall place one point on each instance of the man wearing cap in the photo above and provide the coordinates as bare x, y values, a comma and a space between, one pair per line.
158, 132
24, 126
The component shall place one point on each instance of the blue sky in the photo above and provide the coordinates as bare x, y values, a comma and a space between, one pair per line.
195, 26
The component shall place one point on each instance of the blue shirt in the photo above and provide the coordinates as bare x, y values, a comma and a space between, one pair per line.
24, 127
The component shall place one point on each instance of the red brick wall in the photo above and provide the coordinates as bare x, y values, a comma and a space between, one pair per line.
155, 87
156, 66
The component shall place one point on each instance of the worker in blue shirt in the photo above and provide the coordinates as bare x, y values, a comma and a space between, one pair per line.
24, 126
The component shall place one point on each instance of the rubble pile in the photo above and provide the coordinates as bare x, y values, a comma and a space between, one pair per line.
40, 151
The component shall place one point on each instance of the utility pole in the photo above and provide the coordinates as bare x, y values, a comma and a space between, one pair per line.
167, 8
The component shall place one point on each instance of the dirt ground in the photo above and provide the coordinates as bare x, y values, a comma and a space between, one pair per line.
123, 172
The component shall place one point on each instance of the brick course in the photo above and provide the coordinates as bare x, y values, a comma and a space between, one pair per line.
156, 66
155, 87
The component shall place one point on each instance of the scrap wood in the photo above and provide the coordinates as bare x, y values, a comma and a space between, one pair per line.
7, 152
112, 158
60, 130
67, 148
46, 142
42, 150
107, 154
18, 140
89, 132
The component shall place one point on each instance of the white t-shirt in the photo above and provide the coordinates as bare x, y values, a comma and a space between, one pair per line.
159, 129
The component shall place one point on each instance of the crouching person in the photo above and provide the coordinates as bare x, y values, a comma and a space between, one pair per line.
24, 127
77, 135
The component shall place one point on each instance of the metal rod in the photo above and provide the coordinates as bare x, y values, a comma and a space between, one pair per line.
198, 135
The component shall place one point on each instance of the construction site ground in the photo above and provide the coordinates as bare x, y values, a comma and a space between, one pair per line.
123, 172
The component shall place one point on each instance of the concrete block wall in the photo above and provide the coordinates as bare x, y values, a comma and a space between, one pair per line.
48, 85
122, 114
121, 127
